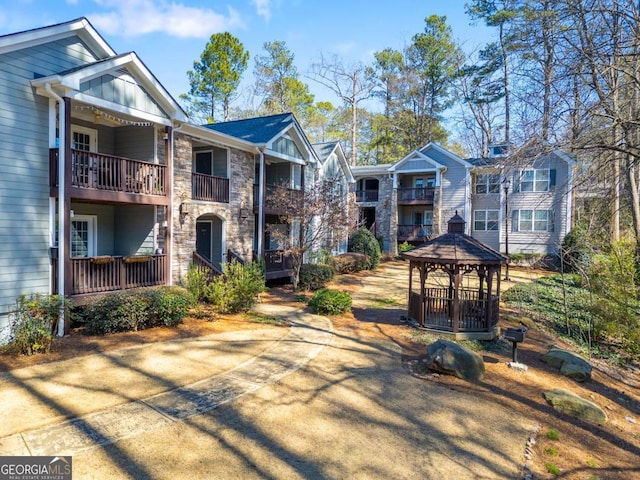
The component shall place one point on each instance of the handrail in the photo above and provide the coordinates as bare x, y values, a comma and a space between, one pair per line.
204, 265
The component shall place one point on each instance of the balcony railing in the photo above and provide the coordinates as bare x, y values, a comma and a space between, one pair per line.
277, 199
111, 273
107, 172
416, 196
208, 187
366, 195
414, 232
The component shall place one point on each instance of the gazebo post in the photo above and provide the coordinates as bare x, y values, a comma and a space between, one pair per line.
455, 318
423, 280
488, 311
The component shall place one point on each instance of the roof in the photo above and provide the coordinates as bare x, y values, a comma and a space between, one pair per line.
323, 150
456, 248
259, 130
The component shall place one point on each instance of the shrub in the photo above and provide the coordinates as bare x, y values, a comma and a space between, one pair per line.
363, 241
168, 305
35, 320
237, 289
405, 247
330, 302
314, 276
577, 251
117, 312
350, 262
196, 282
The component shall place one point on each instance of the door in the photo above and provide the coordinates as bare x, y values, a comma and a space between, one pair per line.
203, 239
368, 218
83, 140
83, 236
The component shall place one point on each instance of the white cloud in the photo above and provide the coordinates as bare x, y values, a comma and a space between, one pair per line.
263, 8
140, 17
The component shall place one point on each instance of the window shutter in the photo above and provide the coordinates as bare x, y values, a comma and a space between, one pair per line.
515, 218
552, 218
516, 182
552, 178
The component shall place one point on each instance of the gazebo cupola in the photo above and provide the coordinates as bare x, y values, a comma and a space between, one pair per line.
438, 297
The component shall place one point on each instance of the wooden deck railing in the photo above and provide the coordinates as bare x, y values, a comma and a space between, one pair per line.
205, 266
108, 172
208, 187
438, 310
107, 273
414, 232
420, 195
277, 199
366, 195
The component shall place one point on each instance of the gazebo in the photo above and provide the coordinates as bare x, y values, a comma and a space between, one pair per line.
470, 312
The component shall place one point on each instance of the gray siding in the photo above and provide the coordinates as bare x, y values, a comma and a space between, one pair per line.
105, 224
135, 142
452, 195
134, 226
24, 166
488, 201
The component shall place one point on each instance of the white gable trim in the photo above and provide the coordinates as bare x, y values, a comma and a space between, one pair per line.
565, 157
300, 139
413, 155
80, 27
131, 62
342, 160
446, 152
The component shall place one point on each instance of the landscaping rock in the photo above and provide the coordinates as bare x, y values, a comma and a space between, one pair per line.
570, 364
568, 402
453, 359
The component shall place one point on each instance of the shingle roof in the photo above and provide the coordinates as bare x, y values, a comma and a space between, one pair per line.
323, 150
457, 248
257, 130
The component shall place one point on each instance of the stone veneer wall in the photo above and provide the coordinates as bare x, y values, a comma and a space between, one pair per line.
239, 232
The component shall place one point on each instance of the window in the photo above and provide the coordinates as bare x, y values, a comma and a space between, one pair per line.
532, 221
83, 236
537, 180
212, 162
487, 183
485, 220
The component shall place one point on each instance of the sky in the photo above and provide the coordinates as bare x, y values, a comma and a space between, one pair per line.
170, 35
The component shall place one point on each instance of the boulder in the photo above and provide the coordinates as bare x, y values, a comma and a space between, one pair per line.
449, 357
570, 364
568, 402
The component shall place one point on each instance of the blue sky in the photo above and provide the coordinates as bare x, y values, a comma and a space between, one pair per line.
170, 35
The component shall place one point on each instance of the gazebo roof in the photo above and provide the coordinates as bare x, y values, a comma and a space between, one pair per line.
455, 247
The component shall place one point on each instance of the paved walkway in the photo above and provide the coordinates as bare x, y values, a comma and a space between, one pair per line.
307, 335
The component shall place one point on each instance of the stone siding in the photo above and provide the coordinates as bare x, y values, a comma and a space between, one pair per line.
239, 232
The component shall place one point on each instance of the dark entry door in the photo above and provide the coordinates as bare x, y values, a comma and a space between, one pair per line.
203, 239
368, 217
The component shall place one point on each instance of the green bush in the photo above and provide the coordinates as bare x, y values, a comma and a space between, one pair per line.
196, 282
577, 251
350, 262
314, 276
35, 320
363, 241
330, 302
237, 289
117, 312
168, 305
405, 247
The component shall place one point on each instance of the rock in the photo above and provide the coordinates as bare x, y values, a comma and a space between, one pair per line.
449, 357
570, 364
568, 402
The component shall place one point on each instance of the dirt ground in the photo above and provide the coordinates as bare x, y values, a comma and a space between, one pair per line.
582, 451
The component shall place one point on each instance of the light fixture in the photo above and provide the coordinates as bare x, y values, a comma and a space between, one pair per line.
242, 213
184, 205
165, 136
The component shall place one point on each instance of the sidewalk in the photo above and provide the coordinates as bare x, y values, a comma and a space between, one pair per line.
62, 408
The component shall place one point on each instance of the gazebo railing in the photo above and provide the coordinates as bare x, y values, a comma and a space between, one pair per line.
438, 310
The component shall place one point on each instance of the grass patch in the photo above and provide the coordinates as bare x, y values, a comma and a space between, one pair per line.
387, 301
552, 469
592, 463
265, 319
553, 435
551, 451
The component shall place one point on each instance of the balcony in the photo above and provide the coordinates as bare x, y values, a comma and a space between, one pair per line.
209, 188
110, 273
414, 233
278, 200
366, 196
97, 176
416, 196
278, 264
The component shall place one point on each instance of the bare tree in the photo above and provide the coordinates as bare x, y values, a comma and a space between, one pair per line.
317, 217
352, 83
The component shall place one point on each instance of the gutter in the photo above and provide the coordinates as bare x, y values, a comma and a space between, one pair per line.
61, 193
260, 150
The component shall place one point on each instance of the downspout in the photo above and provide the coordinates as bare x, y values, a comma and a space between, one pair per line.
61, 193
261, 204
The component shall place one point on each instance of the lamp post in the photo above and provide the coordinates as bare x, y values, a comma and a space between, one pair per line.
506, 183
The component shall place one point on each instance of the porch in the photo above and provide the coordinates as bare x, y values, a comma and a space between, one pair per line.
277, 199
105, 273
414, 233
416, 196
102, 177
